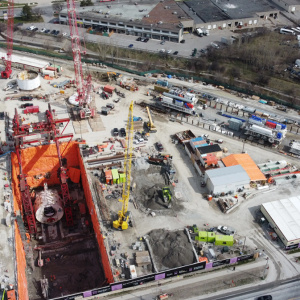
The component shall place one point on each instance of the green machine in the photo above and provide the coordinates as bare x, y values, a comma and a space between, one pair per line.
167, 196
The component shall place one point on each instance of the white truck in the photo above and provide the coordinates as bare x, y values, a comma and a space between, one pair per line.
199, 32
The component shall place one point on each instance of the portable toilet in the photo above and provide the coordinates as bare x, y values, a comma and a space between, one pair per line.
122, 178
115, 176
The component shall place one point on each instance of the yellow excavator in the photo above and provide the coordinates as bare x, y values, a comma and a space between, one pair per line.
123, 215
150, 125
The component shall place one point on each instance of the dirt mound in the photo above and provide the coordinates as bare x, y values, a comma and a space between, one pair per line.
171, 249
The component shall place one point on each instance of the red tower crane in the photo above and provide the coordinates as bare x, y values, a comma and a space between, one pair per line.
9, 42
50, 131
84, 88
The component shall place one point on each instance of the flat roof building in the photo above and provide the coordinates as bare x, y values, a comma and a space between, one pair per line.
162, 21
284, 217
224, 180
247, 163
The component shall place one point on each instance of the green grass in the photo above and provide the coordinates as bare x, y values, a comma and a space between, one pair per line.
18, 20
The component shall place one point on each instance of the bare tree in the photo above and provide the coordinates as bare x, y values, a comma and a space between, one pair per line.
57, 7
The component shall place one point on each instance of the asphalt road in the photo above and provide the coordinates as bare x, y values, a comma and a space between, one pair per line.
284, 290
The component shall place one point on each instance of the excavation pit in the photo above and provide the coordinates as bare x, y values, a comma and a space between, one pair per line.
148, 192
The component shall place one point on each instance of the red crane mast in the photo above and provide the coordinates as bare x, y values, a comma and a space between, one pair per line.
83, 88
9, 39
52, 133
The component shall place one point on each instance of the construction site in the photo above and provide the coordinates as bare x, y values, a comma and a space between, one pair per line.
112, 181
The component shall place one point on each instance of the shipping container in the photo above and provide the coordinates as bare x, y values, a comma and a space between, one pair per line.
270, 125
51, 69
179, 103
109, 89
224, 240
31, 110
261, 130
167, 99
48, 72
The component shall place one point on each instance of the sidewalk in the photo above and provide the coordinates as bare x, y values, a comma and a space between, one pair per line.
207, 282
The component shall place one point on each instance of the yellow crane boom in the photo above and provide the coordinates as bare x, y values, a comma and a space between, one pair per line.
150, 124
123, 215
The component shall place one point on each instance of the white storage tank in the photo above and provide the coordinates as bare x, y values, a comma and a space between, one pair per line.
28, 80
48, 206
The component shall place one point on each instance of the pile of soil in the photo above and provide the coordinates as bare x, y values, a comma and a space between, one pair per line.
171, 249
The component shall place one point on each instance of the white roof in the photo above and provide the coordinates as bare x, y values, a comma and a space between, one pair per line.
233, 174
286, 215
25, 60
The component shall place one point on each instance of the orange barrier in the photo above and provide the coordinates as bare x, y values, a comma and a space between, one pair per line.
21, 266
96, 226
40, 164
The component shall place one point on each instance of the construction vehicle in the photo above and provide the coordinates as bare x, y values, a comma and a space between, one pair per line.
167, 196
150, 126
9, 39
123, 215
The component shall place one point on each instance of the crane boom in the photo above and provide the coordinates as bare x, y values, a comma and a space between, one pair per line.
123, 216
150, 124
9, 39
84, 88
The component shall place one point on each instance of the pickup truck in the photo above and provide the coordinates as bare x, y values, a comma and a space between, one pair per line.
226, 230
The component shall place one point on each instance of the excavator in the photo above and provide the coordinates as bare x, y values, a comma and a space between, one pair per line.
150, 126
167, 196
123, 215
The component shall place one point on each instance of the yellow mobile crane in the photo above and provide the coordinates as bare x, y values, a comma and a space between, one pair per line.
123, 215
150, 124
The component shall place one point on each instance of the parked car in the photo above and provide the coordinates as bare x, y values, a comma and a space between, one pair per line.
159, 147
122, 132
115, 131
47, 31
26, 105
139, 39
266, 297
162, 42
130, 46
57, 32
43, 30
35, 29
169, 51
182, 41
220, 141
110, 105
146, 40
53, 32
64, 34
162, 51
26, 98
226, 230
175, 53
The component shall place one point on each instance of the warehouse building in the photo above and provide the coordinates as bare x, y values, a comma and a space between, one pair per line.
224, 180
162, 21
212, 14
284, 217
248, 164
289, 5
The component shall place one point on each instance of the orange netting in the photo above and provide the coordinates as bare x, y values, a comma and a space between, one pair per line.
21, 266
40, 164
